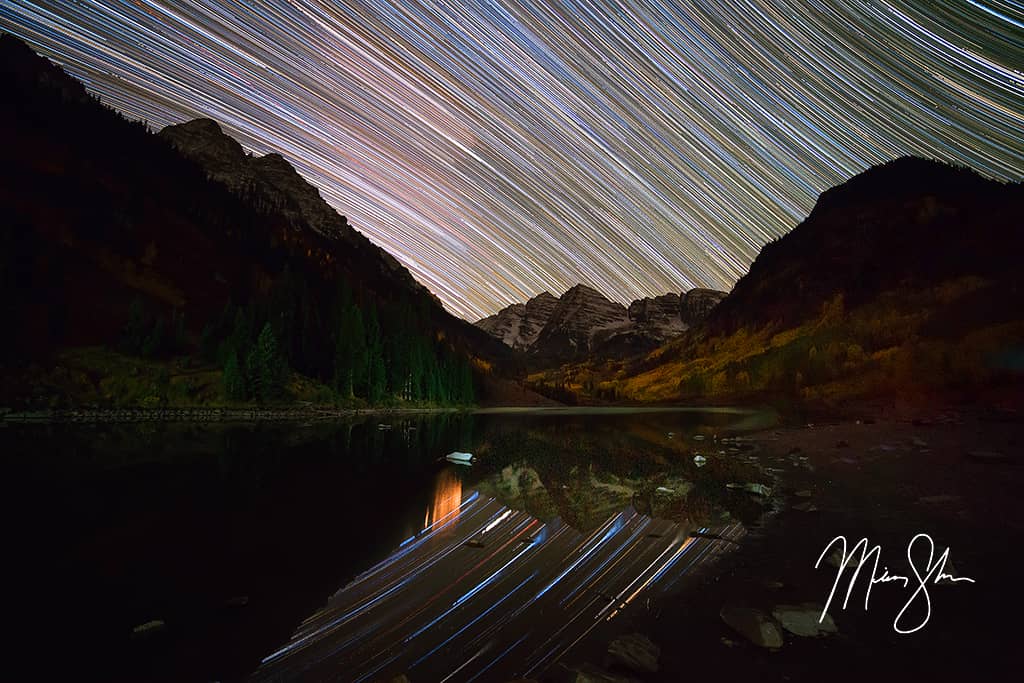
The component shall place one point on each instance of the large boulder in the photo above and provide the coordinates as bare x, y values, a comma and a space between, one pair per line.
754, 625
635, 652
803, 620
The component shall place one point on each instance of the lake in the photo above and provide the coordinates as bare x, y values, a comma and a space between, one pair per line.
232, 534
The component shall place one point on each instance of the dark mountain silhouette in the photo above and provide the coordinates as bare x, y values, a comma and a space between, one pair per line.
100, 212
905, 279
908, 223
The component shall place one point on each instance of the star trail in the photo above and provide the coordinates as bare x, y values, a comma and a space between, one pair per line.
500, 149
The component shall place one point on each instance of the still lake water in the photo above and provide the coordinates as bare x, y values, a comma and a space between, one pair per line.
233, 534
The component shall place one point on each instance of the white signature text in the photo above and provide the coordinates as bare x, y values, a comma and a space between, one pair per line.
857, 557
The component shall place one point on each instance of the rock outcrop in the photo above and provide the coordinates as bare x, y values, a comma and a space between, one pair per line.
584, 322
582, 319
519, 325
270, 182
695, 305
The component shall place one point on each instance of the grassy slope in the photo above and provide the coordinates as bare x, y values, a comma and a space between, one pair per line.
98, 376
950, 336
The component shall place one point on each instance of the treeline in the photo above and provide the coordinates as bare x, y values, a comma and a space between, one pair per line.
363, 351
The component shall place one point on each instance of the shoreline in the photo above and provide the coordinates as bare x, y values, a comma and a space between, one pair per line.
203, 415
883, 470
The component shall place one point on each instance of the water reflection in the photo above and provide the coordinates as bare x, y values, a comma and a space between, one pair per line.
123, 504
563, 523
447, 498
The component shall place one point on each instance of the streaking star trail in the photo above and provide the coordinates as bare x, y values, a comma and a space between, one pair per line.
501, 149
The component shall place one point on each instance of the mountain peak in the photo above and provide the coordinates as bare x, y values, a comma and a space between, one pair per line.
902, 177
204, 141
201, 125
580, 288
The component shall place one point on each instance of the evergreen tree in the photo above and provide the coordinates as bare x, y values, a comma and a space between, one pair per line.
466, 393
134, 335
208, 343
350, 351
270, 366
234, 379
376, 377
360, 361
253, 380
178, 344
241, 334
154, 343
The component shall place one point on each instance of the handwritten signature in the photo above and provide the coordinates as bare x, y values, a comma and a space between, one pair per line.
934, 572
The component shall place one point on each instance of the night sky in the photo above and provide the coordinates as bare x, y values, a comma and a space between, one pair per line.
500, 149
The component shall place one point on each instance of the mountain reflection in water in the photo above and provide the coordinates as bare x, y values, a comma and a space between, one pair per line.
131, 506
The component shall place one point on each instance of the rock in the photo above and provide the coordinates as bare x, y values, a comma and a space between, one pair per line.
698, 437
148, 629
699, 460
804, 494
836, 559
948, 570
807, 506
519, 325
803, 620
635, 652
473, 543
695, 304
986, 456
754, 625
750, 487
941, 498
588, 673
918, 443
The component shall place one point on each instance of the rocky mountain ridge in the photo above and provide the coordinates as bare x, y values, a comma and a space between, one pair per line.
583, 321
270, 182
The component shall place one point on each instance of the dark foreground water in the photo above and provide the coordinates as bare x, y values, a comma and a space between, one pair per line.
232, 535
354, 551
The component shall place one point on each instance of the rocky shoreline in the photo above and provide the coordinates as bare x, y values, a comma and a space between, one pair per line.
199, 414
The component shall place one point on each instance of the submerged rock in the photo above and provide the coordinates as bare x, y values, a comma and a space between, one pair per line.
941, 498
148, 629
751, 487
836, 559
635, 652
754, 625
588, 673
803, 620
986, 456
